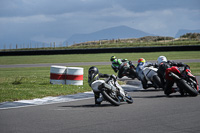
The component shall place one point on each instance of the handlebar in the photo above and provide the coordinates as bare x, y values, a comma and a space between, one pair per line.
111, 77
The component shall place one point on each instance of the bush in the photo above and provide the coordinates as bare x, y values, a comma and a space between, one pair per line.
191, 36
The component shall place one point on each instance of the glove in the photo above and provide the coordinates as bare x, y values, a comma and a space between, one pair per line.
156, 65
113, 77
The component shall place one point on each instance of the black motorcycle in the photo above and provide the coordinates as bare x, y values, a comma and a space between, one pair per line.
127, 69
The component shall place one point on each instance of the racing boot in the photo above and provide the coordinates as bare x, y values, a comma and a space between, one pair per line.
96, 97
99, 100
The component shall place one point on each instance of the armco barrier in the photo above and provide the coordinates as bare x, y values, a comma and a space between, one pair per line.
103, 50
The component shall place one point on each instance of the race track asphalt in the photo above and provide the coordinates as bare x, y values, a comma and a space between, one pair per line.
151, 112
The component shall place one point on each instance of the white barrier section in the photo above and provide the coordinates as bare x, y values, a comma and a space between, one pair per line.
74, 76
66, 75
58, 74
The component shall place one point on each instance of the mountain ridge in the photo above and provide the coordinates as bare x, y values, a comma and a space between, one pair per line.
108, 34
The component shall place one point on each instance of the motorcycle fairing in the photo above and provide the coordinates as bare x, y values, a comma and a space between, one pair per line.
173, 69
95, 85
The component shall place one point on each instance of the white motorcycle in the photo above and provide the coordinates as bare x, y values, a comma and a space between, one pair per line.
111, 91
150, 74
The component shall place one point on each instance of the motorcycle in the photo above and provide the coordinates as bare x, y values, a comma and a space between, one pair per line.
150, 74
147, 72
125, 69
185, 80
111, 91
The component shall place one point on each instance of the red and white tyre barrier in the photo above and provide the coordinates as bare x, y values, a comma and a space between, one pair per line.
66, 75
74, 76
58, 74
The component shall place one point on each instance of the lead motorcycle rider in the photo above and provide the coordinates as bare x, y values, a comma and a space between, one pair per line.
116, 63
93, 75
163, 65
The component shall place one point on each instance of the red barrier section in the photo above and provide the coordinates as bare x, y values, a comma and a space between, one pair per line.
57, 76
74, 77
63, 77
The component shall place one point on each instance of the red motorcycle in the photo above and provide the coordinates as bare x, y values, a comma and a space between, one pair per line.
185, 80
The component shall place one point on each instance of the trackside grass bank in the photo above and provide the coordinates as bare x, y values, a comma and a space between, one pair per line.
30, 83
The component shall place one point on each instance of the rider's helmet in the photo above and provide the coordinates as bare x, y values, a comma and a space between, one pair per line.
113, 58
161, 59
93, 74
141, 60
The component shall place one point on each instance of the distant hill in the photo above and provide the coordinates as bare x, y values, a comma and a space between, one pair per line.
110, 33
184, 31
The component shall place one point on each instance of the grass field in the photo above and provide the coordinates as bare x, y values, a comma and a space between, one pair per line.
30, 83
4, 60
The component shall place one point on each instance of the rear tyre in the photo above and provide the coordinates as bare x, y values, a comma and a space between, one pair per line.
133, 73
183, 85
110, 98
157, 81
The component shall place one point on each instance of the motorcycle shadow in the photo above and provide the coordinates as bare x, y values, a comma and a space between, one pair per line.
157, 96
179, 96
90, 106
163, 96
135, 89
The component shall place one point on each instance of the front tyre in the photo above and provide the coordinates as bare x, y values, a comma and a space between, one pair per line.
111, 98
129, 99
185, 86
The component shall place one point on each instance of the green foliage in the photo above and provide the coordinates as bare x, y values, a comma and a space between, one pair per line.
18, 80
191, 36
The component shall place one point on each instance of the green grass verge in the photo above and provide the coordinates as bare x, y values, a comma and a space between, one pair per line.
30, 83
5, 60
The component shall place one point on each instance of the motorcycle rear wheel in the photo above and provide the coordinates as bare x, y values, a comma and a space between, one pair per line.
113, 101
183, 85
157, 81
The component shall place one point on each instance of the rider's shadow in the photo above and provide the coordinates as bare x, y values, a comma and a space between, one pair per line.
162, 96
89, 106
158, 96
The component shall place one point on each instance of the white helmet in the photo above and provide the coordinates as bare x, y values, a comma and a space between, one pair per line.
161, 59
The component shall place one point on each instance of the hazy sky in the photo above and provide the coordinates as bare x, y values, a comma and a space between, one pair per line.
57, 20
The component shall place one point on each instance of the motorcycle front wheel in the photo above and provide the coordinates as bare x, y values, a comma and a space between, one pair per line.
185, 86
111, 98
129, 99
